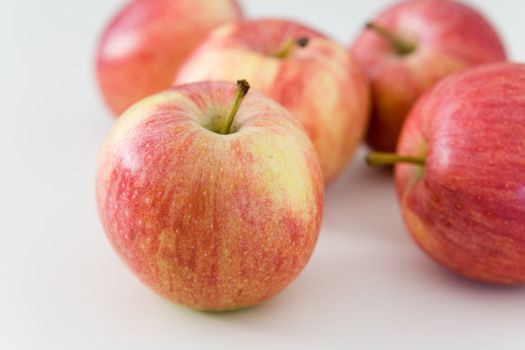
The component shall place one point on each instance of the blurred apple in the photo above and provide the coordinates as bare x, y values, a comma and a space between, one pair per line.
145, 43
212, 203
412, 45
464, 198
312, 76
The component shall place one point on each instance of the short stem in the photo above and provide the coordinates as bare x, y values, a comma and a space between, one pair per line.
242, 90
378, 159
400, 45
290, 45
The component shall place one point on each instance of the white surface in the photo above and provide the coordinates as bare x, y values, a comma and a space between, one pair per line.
62, 287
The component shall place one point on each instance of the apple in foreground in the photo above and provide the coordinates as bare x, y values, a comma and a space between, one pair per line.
411, 46
145, 43
214, 207
312, 76
463, 198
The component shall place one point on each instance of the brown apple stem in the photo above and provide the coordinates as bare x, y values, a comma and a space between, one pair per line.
290, 45
400, 46
375, 159
242, 89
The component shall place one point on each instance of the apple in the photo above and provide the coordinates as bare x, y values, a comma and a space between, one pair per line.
461, 177
213, 207
146, 42
300, 68
411, 46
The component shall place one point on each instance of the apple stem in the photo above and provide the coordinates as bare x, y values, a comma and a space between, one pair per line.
400, 46
288, 46
375, 159
242, 89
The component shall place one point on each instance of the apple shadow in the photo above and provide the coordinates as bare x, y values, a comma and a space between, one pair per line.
326, 279
363, 202
414, 267
460, 282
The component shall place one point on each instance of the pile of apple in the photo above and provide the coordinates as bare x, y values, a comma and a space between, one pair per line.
212, 192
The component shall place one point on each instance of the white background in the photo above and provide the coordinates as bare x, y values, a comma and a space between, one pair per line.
62, 287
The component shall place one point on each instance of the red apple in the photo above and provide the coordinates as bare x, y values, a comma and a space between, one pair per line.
412, 45
312, 76
464, 199
214, 207
146, 42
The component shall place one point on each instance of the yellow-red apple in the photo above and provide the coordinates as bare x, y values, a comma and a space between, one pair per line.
411, 46
213, 206
145, 43
463, 199
312, 76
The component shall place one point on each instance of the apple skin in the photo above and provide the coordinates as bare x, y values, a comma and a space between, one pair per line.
320, 83
449, 36
466, 207
146, 42
211, 221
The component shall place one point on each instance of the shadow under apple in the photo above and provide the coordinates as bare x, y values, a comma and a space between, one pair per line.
363, 202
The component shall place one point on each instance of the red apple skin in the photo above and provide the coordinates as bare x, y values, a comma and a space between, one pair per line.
449, 36
214, 222
146, 42
466, 207
320, 84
